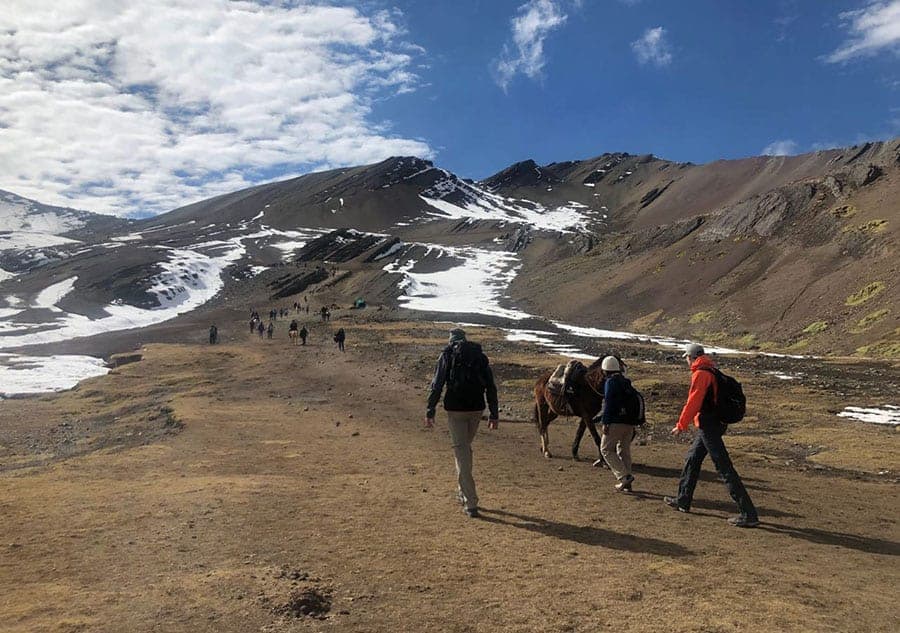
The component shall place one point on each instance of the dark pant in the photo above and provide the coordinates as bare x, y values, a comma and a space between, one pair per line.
709, 441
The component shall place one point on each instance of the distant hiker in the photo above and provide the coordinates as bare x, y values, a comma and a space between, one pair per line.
307, 308
702, 409
270, 330
619, 422
252, 325
293, 332
323, 311
213, 335
339, 338
260, 329
303, 334
466, 372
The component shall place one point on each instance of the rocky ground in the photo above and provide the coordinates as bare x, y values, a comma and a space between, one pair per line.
256, 486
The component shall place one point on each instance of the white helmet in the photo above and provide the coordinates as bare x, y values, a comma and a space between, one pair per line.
611, 363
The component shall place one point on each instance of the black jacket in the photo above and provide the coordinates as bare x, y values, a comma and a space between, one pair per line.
470, 397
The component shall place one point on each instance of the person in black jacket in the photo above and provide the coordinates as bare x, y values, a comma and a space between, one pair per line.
466, 372
618, 430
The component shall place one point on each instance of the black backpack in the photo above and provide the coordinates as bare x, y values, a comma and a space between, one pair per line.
634, 406
464, 374
731, 404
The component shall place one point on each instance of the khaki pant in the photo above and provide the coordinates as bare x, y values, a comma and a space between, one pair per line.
615, 446
463, 427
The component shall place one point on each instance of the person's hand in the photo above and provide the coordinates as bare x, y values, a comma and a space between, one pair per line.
493, 424
429, 423
676, 431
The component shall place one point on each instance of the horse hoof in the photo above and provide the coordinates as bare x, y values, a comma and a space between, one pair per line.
548, 455
576, 458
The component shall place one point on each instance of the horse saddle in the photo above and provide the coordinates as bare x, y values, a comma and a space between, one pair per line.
562, 384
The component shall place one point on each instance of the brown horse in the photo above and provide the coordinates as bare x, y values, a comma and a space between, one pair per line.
586, 403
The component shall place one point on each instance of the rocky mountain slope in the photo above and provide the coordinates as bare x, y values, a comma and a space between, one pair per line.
774, 253
788, 252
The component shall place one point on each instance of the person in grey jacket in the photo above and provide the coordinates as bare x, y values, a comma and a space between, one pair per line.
466, 372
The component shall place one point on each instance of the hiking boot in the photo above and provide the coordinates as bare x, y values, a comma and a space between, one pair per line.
743, 522
625, 484
672, 502
472, 513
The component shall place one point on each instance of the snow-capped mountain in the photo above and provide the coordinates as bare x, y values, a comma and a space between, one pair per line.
775, 251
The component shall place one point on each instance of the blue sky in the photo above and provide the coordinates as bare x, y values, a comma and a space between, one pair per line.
740, 77
139, 108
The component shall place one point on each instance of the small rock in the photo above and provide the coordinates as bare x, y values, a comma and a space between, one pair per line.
354, 434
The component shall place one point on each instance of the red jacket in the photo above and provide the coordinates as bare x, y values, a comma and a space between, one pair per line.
701, 383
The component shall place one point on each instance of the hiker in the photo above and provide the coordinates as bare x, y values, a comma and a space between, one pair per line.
700, 409
270, 330
339, 338
213, 335
252, 326
466, 372
260, 329
618, 424
323, 311
303, 334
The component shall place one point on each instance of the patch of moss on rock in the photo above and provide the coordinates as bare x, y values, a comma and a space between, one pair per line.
864, 294
701, 317
845, 211
881, 349
815, 327
644, 322
869, 320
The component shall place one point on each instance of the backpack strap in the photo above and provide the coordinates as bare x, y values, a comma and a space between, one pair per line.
716, 376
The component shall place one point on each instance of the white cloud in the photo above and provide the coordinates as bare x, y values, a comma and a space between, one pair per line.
652, 47
122, 107
873, 29
784, 147
535, 20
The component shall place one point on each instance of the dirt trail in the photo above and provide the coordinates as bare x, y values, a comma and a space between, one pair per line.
302, 494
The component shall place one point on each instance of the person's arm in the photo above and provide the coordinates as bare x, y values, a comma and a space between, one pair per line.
700, 382
490, 389
610, 402
437, 385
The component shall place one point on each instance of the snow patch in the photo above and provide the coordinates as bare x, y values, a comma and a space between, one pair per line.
475, 286
51, 295
24, 240
472, 202
886, 414
21, 374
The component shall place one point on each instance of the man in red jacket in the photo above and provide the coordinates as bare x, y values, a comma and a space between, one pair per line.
701, 411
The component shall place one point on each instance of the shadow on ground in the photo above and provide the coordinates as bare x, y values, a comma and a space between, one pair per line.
586, 535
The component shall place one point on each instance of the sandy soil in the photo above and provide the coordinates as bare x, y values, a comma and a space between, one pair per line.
255, 486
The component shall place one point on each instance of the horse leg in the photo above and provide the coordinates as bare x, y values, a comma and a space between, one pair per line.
577, 442
543, 417
593, 429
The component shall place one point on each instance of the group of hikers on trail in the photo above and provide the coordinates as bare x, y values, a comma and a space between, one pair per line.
295, 330
463, 374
